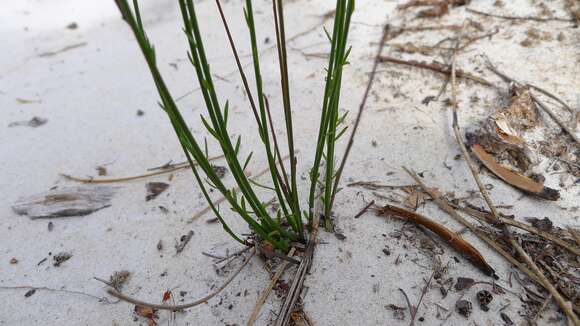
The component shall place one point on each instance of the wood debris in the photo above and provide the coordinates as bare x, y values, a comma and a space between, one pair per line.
67, 201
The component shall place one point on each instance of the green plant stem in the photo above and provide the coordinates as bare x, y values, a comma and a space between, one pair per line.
282, 58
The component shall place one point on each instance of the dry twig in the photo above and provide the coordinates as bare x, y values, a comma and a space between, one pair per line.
206, 298
534, 18
436, 67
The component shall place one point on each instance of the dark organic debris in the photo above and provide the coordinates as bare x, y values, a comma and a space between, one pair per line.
398, 312
72, 25
506, 319
220, 170
544, 224
101, 170
61, 258
67, 201
464, 308
29, 293
34, 122
463, 283
118, 279
484, 298
154, 189
183, 241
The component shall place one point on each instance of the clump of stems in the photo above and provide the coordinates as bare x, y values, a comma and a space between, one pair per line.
288, 224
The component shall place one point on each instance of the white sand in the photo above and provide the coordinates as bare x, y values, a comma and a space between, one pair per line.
90, 96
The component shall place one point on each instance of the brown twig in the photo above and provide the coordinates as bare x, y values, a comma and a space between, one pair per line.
365, 209
534, 18
452, 239
206, 298
436, 67
268, 289
484, 216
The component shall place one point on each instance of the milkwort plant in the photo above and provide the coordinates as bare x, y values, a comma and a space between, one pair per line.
288, 224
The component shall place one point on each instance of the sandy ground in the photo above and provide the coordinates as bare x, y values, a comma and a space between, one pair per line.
91, 92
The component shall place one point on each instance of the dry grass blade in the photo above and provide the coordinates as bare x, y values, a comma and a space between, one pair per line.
175, 167
206, 298
454, 240
268, 289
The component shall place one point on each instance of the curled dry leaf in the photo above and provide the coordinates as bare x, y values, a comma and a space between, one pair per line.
147, 312
513, 178
502, 132
454, 240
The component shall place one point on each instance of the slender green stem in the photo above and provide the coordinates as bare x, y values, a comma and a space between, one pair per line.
282, 58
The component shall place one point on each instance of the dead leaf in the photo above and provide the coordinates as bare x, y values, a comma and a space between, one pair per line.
147, 312
513, 178
455, 241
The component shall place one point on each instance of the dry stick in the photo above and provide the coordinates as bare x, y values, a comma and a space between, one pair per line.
442, 203
268, 289
482, 216
436, 68
564, 305
300, 276
222, 199
365, 209
134, 301
175, 167
555, 117
534, 18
